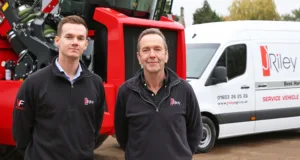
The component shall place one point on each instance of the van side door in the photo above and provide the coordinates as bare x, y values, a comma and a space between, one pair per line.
232, 86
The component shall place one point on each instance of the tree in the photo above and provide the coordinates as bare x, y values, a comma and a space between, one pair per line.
253, 10
294, 16
205, 14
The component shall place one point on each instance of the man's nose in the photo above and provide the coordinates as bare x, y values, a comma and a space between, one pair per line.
75, 42
152, 53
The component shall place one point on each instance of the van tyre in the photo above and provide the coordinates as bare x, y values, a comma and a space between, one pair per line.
209, 136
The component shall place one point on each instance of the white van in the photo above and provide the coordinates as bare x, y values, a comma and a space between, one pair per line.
246, 75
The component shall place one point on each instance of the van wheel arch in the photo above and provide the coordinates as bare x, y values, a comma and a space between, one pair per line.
214, 120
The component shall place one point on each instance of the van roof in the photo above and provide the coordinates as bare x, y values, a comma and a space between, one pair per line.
217, 32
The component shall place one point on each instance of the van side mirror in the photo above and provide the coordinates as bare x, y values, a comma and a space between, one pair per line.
219, 75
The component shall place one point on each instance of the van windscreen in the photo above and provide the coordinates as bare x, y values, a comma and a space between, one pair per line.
198, 57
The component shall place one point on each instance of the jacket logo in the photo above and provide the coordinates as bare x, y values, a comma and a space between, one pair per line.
173, 102
87, 101
20, 103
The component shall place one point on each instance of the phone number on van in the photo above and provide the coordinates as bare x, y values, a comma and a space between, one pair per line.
232, 96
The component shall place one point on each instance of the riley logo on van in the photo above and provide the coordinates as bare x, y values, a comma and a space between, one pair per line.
276, 61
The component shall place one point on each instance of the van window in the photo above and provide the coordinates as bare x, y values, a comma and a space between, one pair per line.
198, 57
234, 58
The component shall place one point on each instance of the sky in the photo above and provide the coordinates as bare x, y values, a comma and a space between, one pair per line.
221, 7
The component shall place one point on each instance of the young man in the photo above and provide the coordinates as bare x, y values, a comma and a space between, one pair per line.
157, 114
59, 109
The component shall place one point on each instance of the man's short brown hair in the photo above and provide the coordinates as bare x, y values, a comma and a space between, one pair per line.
152, 31
73, 19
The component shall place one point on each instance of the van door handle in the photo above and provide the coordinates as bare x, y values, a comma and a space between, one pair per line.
245, 87
262, 85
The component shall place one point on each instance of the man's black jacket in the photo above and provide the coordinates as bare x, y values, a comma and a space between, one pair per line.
170, 131
56, 120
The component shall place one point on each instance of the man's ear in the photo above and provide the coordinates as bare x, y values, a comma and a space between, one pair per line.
56, 40
167, 57
138, 57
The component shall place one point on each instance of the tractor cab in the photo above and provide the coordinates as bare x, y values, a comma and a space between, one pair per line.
146, 9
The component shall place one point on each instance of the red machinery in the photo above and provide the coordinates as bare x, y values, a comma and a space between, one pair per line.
27, 29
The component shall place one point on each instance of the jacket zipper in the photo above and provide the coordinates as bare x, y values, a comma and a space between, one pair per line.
79, 78
146, 99
157, 107
72, 84
70, 100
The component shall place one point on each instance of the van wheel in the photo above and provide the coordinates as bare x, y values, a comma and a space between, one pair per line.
209, 136
9, 153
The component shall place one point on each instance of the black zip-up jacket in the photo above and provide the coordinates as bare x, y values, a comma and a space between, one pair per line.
169, 131
55, 120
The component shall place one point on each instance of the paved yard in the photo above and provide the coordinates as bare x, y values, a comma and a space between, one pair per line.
271, 146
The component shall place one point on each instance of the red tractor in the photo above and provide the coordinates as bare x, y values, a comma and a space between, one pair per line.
27, 30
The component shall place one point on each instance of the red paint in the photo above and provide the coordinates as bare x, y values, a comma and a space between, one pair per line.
108, 121
181, 55
4, 27
8, 92
164, 18
91, 33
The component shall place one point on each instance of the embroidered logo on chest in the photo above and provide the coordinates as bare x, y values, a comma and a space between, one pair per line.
173, 102
87, 101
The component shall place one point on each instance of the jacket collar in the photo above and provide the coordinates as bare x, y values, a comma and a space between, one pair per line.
136, 81
56, 71
165, 80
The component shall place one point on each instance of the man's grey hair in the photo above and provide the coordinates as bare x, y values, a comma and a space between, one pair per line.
152, 31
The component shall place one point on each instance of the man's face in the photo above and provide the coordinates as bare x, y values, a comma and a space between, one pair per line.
152, 54
72, 42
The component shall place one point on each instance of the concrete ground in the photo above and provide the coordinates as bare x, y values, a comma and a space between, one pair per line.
271, 146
